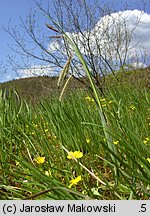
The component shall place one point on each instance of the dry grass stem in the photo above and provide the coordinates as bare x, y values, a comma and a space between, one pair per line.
91, 173
52, 28
64, 72
56, 36
64, 87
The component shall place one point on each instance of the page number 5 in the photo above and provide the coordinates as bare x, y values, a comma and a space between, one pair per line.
143, 208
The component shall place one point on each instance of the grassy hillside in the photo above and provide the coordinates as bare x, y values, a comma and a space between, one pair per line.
82, 147
36, 88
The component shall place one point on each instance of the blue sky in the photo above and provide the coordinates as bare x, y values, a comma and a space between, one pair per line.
10, 9
13, 9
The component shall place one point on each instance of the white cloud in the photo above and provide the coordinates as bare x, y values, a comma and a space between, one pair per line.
105, 31
54, 46
108, 29
36, 70
138, 64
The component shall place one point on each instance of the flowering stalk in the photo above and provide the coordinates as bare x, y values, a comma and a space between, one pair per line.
104, 120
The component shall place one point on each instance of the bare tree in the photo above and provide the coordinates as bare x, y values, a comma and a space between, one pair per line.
104, 39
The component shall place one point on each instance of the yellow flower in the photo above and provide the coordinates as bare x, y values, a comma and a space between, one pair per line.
103, 105
35, 125
17, 163
74, 181
76, 154
89, 99
146, 140
102, 99
48, 173
115, 142
39, 160
88, 140
148, 159
132, 107
46, 130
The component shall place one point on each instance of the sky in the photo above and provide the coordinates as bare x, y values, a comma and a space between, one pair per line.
10, 10
14, 9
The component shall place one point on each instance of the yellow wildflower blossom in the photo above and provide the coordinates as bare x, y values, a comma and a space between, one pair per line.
17, 163
48, 173
88, 140
102, 99
39, 160
116, 142
89, 99
145, 141
148, 159
74, 181
132, 107
75, 154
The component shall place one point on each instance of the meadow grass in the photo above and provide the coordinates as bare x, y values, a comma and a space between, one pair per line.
58, 149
